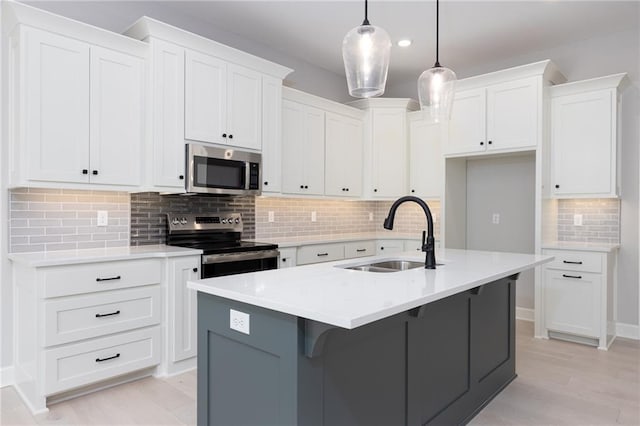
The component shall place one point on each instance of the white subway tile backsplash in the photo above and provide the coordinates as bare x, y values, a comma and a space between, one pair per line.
600, 220
57, 219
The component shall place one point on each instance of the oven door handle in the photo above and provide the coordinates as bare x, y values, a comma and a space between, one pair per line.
238, 257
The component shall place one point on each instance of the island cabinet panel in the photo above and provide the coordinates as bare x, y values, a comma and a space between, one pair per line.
435, 364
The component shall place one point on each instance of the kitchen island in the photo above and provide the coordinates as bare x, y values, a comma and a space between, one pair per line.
327, 345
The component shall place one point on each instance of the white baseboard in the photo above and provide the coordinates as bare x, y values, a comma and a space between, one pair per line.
525, 314
628, 331
7, 377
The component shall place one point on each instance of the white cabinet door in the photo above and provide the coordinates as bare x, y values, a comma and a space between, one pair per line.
572, 302
182, 325
287, 258
343, 156
513, 115
467, 128
425, 158
271, 134
168, 114
389, 137
244, 107
205, 98
302, 149
583, 144
56, 107
116, 117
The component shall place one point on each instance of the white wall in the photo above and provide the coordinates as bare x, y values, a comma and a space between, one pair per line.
506, 186
591, 58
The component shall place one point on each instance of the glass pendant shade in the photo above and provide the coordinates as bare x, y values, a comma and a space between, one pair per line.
436, 88
365, 52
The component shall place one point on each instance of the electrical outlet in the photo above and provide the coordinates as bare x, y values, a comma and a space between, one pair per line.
103, 218
496, 218
271, 216
577, 220
314, 217
239, 321
370, 217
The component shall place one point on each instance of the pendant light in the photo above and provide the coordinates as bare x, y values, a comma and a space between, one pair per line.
436, 86
365, 52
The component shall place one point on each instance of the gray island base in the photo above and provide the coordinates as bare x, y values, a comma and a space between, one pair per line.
440, 363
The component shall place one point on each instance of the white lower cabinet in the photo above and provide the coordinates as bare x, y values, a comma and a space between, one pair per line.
287, 258
578, 296
320, 253
389, 247
79, 324
182, 311
359, 249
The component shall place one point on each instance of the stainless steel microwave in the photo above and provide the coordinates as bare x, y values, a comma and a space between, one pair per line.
214, 170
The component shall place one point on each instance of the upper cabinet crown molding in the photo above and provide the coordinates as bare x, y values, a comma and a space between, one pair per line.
322, 103
146, 27
547, 69
18, 13
614, 81
408, 104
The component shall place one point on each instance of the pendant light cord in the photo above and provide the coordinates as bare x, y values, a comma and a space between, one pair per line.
437, 64
366, 19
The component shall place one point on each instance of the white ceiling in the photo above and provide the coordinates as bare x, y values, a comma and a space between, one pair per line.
471, 32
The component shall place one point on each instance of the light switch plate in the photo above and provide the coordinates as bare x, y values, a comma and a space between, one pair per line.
577, 220
103, 218
239, 321
370, 217
272, 217
314, 216
496, 219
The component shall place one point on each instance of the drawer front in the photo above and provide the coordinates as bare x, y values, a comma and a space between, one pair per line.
572, 302
75, 365
359, 249
83, 317
389, 247
320, 253
87, 278
575, 260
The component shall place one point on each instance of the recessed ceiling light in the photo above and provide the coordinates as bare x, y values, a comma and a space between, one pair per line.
404, 42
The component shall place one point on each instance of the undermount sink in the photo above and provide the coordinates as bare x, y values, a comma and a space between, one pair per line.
394, 265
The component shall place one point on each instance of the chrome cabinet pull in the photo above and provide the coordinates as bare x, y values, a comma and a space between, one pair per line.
108, 358
109, 279
109, 314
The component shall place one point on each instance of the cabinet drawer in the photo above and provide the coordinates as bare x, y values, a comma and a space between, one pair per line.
83, 317
575, 260
389, 247
359, 249
320, 253
91, 277
79, 364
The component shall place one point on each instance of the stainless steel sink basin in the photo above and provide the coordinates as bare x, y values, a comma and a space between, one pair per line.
393, 265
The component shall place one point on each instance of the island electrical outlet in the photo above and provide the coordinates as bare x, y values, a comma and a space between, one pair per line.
239, 321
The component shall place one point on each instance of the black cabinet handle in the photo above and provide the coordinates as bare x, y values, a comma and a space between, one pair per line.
266, 183
375, 190
490, 142
322, 254
108, 358
481, 143
361, 250
381, 248
306, 187
95, 172
557, 186
181, 177
578, 277
413, 190
195, 269
572, 262
230, 136
85, 171
301, 186
108, 315
109, 279
347, 189
224, 135
284, 259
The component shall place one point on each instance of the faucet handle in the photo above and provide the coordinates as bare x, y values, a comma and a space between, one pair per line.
424, 238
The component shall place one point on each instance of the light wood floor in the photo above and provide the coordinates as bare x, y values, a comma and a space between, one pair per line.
558, 383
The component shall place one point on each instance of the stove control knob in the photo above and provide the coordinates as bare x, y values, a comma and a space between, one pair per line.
175, 221
224, 220
183, 221
230, 220
237, 220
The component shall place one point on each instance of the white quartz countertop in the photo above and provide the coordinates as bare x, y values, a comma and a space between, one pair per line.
328, 293
338, 238
579, 246
68, 257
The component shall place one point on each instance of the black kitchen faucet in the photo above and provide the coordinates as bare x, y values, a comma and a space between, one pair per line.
428, 244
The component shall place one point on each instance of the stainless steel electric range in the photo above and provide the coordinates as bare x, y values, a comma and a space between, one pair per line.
218, 236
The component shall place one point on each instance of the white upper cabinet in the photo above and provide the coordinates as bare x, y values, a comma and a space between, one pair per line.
584, 153
343, 156
81, 111
302, 149
389, 154
244, 107
167, 101
500, 112
271, 134
426, 178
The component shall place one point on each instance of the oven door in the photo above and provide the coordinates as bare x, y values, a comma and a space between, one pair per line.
218, 265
